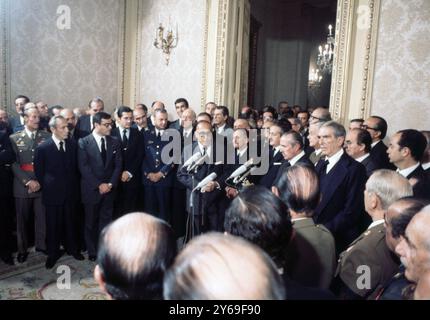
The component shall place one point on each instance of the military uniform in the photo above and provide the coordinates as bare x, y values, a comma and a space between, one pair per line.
369, 250
23, 170
157, 194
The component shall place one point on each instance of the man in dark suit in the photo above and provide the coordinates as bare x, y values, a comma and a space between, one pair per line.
26, 187
157, 175
377, 127
292, 151
132, 156
425, 160
358, 145
17, 122
405, 152
370, 248
7, 157
204, 209
71, 123
140, 118
179, 194
220, 117
342, 181
100, 164
85, 124
276, 157
56, 167
181, 105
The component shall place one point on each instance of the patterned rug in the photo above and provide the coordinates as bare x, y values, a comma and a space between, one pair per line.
68, 280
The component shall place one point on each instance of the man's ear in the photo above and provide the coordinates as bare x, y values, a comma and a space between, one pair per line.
98, 276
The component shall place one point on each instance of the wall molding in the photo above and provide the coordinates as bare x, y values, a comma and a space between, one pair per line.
5, 99
354, 60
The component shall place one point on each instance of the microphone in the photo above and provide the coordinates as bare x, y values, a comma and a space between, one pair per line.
205, 181
192, 159
197, 163
242, 169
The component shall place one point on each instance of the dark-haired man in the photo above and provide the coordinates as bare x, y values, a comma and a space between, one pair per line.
17, 122
100, 164
85, 124
377, 127
132, 155
181, 105
358, 145
405, 152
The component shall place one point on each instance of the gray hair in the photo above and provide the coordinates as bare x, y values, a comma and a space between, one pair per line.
30, 108
53, 121
339, 130
389, 186
157, 111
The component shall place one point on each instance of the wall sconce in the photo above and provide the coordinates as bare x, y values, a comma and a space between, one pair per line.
166, 44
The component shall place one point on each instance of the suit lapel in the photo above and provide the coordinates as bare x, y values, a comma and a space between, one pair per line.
337, 174
109, 150
95, 147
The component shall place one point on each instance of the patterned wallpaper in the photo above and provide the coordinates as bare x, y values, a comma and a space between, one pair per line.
183, 76
401, 92
66, 67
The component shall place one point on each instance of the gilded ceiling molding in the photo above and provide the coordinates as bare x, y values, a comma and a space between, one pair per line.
341, 58
4, 54
221, 50
121, 52
204, 86
370, 57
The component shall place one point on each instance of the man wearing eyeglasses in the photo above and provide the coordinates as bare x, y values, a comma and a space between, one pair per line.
320, 114
100, 164
377, 127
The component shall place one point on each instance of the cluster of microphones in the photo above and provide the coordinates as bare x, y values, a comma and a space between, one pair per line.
234, 179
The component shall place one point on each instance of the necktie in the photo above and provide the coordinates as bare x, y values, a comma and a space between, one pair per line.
62, 146
159, 135
324, 167
124, 138
33, 136
103, 151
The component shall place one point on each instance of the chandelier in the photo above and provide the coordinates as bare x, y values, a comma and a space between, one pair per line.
325, 57
166, 42
315, 79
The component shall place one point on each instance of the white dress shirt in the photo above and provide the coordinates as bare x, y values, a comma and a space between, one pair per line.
334, 159
408, 171
57, 142
375, 223
294, 160
99, 141
362, 158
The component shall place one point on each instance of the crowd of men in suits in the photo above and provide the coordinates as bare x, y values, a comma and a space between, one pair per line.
321, 201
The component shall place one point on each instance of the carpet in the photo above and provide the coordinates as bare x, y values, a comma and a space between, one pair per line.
68, 280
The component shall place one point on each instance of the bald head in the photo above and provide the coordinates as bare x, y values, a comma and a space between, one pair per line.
212, 267
134, 252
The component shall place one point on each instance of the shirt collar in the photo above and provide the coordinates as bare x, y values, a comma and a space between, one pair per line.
426, 165
318, 152
334, 159
97, 137
294, 160
375, 143
29, 133
121, 129
241, 153
220, 129
187, 131
362, 158
208, 149
57, 142
376, 223
408, 171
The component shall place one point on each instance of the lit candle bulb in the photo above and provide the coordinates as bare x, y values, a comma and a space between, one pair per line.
320, 49
329, 29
